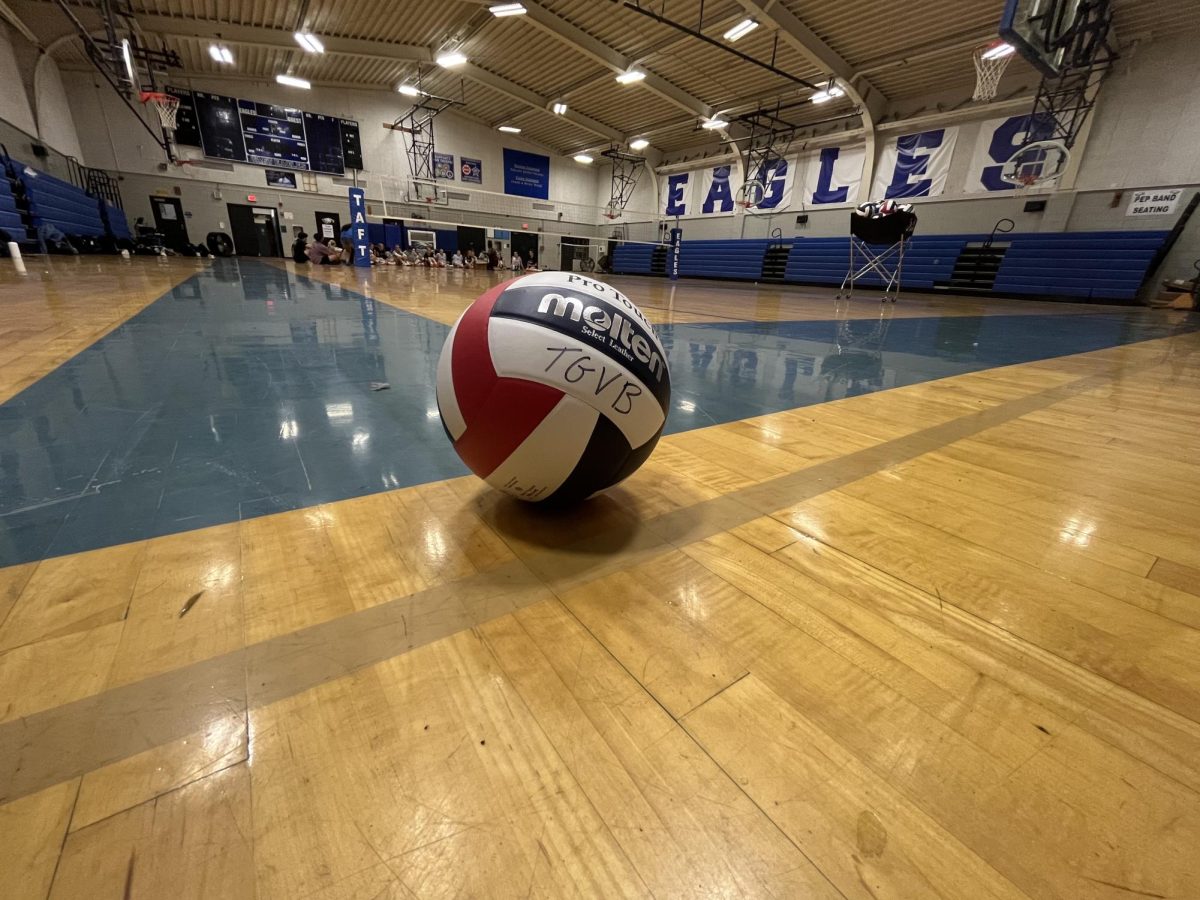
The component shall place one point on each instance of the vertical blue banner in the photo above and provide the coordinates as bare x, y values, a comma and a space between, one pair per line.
673, 262
358, 226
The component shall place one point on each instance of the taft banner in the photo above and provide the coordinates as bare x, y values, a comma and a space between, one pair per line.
915, 165
526, 174
443, 166
998, 140
358, 225
833, 175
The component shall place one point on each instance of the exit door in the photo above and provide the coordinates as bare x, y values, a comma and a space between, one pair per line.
169, 221
255, 230
329, 225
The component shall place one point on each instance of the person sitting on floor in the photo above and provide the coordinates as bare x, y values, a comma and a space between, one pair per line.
321, 253
300, 248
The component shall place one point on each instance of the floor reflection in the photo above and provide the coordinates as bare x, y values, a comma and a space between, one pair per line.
247, 390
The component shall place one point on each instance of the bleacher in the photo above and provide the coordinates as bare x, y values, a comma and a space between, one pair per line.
1108, 265
31, 198
10, 215
1101, 265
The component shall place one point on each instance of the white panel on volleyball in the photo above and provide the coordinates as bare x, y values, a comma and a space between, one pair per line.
597, 290
549, 454
533, 352
446, 398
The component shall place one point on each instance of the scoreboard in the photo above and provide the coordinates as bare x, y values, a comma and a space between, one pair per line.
263, 134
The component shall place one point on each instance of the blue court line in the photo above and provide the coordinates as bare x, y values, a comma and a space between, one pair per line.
246, 391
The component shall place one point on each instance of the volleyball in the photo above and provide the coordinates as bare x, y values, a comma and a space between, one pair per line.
553, 387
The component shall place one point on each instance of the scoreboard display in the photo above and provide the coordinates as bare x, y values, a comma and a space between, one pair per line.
273, 135
263, 134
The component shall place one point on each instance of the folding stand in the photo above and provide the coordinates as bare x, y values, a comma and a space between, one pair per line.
867, 236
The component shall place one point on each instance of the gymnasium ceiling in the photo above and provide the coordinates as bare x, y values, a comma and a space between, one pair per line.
571, 50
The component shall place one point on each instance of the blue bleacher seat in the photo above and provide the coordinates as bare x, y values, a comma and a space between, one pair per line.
59, 203
1109, 265
10, 216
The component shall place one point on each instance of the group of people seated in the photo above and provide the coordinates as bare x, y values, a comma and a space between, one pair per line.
327, 252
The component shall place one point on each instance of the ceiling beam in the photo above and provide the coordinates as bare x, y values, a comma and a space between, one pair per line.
535, 101
7, 14
564, 31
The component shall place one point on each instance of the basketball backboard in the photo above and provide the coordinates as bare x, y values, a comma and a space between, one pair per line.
1040, 29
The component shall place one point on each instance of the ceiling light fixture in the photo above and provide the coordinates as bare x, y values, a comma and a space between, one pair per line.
220, 54
639, 144
631, 77
292, 81
507, 9
560, 108
714, 123
830, 93
740, 30
310, 42
450, 59
583, 158
409, 90
509, 129
999, 51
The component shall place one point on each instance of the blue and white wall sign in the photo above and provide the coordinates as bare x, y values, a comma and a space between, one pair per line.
443, 166
526, 174
915, 165
358, 227
676, 194
717, 191
832, 176
773, 174
998, 140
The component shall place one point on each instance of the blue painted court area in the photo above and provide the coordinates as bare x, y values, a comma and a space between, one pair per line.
247, 391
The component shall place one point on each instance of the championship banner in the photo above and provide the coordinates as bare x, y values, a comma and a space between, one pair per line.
472, 171
915, 165
833, 176
443, 166
998, 140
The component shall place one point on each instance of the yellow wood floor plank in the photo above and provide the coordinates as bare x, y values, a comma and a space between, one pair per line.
31, 836
868, 838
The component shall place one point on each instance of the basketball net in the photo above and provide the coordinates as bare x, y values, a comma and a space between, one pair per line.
166, 105
611, 211
990, 64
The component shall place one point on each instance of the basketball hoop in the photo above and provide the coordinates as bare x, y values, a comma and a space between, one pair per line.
166, 105
751, 194
612, 211
990, 62
1037, 163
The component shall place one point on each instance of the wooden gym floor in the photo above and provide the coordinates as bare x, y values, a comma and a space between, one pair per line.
913, 637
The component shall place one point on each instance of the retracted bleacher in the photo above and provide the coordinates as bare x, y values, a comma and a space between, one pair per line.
1100, 265
10, 215
53, 201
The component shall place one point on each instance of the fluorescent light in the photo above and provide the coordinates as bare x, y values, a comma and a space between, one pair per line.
220, 54
409, 91
639, 144
714, 123
507, 9
292, 81
559, 108
740, 30
999, 51
450, 59
310, 42
583, 158
828, 94
630, 77
509, 129
127, 55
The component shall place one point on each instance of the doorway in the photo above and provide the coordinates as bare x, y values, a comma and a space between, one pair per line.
255, 230
525, 244
329, 225
572, 251
169, 221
